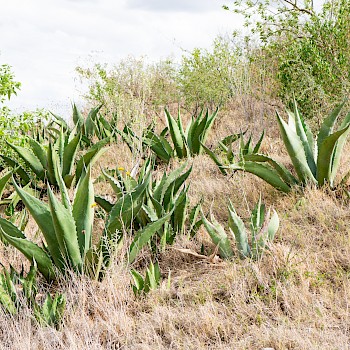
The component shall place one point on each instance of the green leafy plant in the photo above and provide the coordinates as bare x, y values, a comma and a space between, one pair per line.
15, 289
121, 220
131, 88
227, 151
143, 285
306, 43
314, 161
263, 228
161, 197
185, 142
40, 159
205, 77
94, 125
66, 227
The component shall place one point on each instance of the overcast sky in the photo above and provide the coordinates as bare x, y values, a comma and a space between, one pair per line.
44, 40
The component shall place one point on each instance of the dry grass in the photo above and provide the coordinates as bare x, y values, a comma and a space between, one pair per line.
296, 297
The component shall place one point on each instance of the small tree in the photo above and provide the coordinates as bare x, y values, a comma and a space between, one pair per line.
309, 44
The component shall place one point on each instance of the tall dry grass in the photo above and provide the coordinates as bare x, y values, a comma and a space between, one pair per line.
296, 297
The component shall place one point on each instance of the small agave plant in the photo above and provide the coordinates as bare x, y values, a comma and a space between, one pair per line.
315, 161
15, 288
263, 228
143, 285
185, 142
226, 147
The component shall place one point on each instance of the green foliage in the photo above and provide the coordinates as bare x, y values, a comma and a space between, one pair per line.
308, 43
151, 281
158, 206
8, 86
128, 215
228, 155
15, 289
263, 228
58, 158
14, 128
185, 142
66, 227
205, 77
94, 125
314, 162
132, 88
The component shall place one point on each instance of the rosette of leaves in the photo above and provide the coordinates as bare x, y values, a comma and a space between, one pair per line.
183, 143
228, 155
163, 197
40, 159
315, 160
94, 125
263, 227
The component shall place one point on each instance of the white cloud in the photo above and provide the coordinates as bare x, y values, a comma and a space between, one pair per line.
175, 5
45, 40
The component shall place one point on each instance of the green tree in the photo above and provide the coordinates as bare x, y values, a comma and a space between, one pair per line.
8, 85
310, 46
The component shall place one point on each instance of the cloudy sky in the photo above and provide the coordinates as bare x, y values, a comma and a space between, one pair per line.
44, 40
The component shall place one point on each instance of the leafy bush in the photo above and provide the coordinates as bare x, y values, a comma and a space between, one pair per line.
308, 45
205, 77
132, 88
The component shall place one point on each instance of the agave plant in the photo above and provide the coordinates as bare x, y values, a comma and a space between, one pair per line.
161, 197
94, 125
40, 158
15, 288
226, 147
184, 142
263, 228
66, 227
143, 285
315, 161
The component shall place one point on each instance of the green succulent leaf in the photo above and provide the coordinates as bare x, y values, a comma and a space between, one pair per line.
219, 237
143, 236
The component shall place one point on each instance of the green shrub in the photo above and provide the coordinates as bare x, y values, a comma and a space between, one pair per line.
132, 88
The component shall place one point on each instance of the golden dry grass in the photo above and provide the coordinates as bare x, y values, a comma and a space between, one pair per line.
296, 297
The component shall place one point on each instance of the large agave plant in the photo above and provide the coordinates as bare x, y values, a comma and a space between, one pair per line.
263, 228
161, 197
315, 161
66, 227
